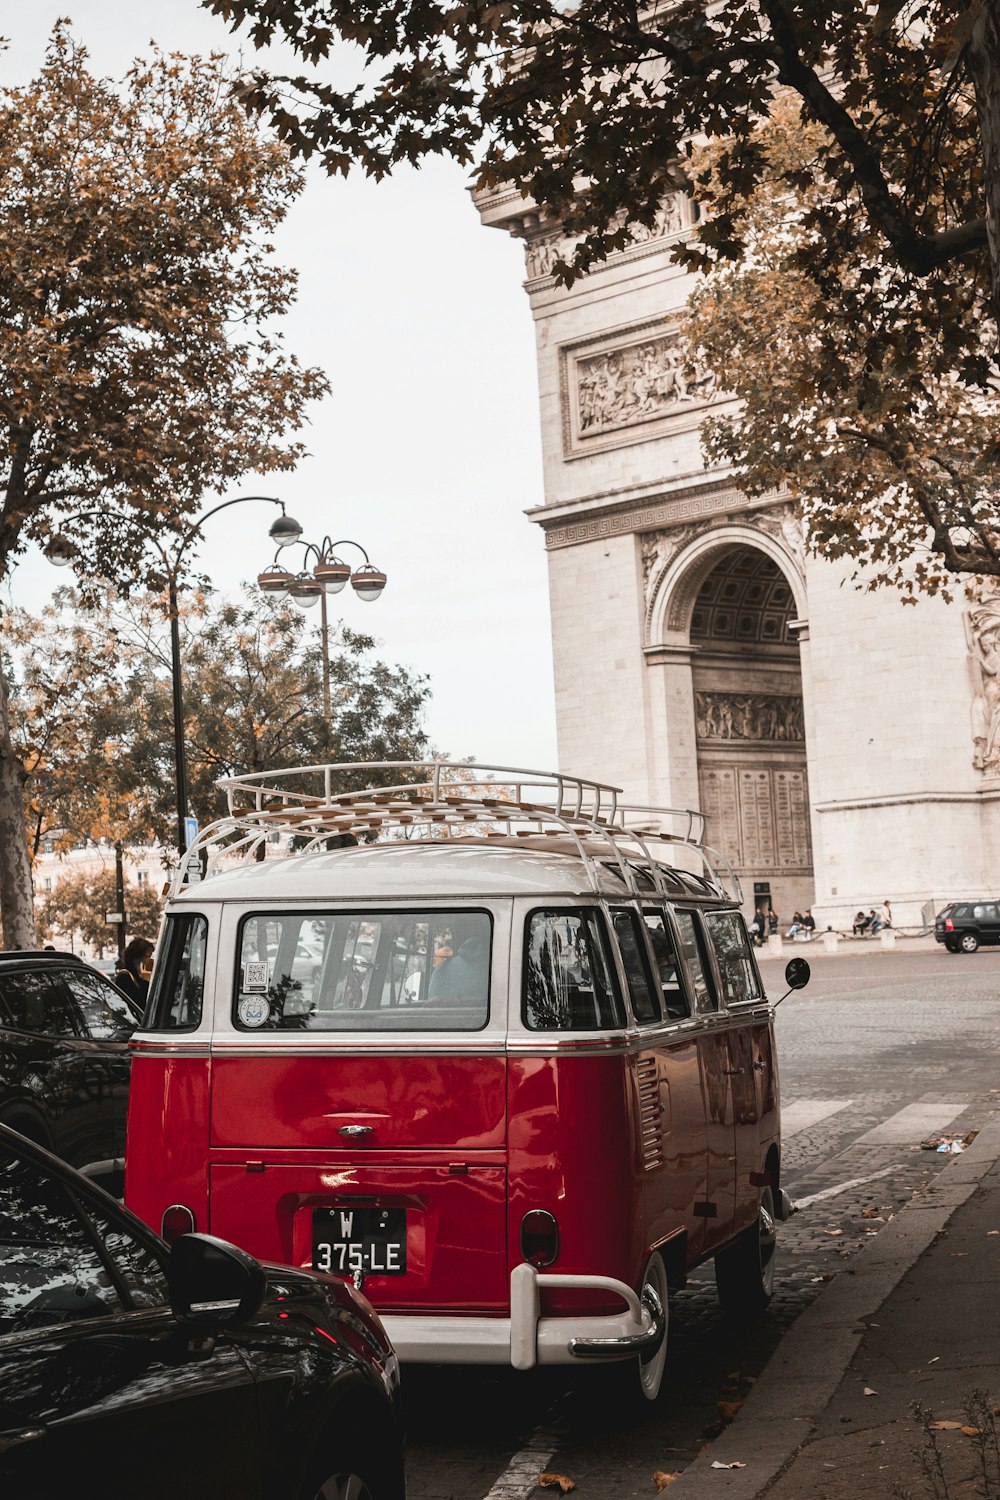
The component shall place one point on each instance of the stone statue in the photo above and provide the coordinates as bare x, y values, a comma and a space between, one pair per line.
982, 625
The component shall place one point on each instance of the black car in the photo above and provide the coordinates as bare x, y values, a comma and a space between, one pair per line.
64, 1059
965, 925
129, 1368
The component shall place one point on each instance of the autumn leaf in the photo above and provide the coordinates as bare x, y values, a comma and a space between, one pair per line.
662, 1480
556, 1482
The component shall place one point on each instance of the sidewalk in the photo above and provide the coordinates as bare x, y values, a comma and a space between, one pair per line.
923, 942
915, 1319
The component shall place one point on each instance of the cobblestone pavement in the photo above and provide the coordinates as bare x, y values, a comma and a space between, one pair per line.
875, 1055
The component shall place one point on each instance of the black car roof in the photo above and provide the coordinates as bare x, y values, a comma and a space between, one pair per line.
22, 956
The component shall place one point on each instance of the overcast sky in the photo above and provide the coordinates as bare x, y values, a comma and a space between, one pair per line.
428, 450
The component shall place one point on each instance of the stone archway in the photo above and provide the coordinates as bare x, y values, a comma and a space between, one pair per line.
749, 724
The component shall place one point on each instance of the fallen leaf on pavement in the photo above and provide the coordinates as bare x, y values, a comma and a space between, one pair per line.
934, 1360
733, 1465
991, 1232
727, 1409
947, 1426
556, 1482
869, 1213
869, 1391
971, 1431
833, 1232
661, 1480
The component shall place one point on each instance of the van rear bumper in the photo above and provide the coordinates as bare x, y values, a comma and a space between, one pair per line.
526, 1339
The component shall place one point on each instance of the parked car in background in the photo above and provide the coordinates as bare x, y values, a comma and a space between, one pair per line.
64, 1059
130, 1368
965, 926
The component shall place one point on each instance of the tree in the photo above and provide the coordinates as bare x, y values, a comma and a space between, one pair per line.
75, 910
595, 110
139, 362
886, 449
93, 716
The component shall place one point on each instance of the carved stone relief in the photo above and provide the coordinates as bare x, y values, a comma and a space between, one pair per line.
750, 716
658, 547
621, 387
784, 523
543, 251
982, 627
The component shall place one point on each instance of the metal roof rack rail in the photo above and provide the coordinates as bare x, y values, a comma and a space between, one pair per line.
306, 807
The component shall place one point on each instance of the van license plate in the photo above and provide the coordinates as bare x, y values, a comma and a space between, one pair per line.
372, 1240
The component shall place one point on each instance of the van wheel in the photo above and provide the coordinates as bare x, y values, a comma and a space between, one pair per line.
640, 1378
968, 942
744, 1270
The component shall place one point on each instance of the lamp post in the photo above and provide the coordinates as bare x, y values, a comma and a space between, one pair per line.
61, 551
328, 575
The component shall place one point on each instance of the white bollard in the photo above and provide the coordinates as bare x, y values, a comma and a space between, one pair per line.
775, 946
888, 936
831, 941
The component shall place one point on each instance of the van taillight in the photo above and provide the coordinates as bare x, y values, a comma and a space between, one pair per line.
539, 1238
949, 925
177, 1220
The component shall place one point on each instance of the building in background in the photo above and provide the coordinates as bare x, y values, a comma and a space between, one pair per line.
843, 748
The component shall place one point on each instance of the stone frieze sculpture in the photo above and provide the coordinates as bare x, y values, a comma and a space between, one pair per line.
749, 716
982, 625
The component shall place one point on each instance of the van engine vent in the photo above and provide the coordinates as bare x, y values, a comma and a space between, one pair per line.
650, 1113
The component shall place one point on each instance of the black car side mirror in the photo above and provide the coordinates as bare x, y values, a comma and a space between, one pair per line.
212, 1283
797, 972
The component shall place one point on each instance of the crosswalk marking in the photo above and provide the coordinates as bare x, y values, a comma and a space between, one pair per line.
801, 1114
913, 1124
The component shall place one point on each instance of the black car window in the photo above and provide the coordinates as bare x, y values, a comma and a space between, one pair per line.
960, 911
50, 1270
984, 912
105, 1015
138, 1265
34, 1000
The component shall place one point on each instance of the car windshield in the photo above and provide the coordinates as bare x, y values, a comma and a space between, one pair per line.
363, 971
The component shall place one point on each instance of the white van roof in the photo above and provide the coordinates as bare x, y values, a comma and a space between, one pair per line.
429, 871
552, 832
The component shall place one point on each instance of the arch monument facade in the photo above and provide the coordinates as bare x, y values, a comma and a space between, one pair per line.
843, 747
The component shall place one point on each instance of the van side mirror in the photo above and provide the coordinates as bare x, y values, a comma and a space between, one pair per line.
212, 1283
797, 973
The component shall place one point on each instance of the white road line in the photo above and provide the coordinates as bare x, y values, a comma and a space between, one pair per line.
521, 1475
831, 1192
801, 1114
913, 1124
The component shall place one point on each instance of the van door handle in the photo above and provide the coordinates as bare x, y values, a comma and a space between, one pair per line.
355, 1130
19, 1436
734, 1072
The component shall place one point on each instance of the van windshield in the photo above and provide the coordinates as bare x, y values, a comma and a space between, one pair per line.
363, 971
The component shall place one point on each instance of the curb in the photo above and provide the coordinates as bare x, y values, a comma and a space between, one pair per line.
805, 1370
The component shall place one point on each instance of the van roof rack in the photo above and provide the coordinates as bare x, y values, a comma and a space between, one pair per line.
329, 806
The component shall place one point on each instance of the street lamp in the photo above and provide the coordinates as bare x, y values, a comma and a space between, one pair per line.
328, 575
61, 550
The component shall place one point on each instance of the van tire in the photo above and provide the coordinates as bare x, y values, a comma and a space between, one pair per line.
744, 1270
637, 1379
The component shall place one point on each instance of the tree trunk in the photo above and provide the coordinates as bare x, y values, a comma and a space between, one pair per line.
984, 65
16, 906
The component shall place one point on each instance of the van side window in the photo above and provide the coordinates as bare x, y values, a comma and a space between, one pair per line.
567, 977
732, 950
693, 956
645, 1003
178, 984
664, 951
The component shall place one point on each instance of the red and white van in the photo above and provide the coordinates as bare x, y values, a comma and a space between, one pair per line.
498, 1049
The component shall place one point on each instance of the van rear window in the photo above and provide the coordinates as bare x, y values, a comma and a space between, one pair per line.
567, 976
363, 971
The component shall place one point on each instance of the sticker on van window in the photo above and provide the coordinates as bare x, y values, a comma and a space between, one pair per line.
255, 978
253, 1010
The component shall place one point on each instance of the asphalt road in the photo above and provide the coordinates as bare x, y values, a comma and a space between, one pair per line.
879, 1052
